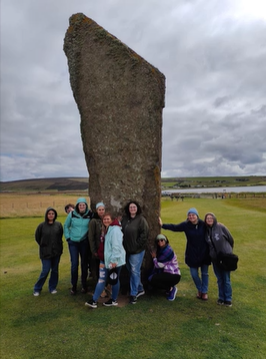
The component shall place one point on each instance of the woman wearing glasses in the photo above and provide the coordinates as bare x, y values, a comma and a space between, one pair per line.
166, 273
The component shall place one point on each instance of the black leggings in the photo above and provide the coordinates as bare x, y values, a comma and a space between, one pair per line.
165, 280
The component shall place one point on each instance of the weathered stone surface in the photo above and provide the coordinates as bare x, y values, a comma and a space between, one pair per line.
120, 97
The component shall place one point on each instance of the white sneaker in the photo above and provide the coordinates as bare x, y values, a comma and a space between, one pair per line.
36, 294
54, 291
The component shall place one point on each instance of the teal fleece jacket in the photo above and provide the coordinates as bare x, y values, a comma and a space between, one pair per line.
76, 226
113, 246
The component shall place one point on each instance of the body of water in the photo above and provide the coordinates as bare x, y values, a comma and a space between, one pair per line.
254, 189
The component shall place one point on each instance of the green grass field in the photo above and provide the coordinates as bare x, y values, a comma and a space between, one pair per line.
60, 326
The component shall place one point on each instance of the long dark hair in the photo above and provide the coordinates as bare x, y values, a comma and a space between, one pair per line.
126, 208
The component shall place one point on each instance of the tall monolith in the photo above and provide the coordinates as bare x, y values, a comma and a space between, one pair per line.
120, 97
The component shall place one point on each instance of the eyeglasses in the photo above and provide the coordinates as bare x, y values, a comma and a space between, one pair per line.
160, 240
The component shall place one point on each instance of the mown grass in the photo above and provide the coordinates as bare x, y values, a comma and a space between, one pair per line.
60, 326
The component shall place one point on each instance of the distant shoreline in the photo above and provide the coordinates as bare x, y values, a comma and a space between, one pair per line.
242, 189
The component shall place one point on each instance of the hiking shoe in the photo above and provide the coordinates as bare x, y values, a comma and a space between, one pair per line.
53, 291
204, 296
228, 303
91, 303
172, 294
36, 294
220, 302
110, 303
133, 299
140, 293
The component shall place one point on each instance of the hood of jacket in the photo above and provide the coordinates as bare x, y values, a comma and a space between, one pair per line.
115, 223
50, 209
81, 200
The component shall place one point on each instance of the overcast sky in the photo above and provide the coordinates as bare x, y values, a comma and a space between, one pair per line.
213, 54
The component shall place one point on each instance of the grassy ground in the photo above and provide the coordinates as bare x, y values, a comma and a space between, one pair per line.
60, 326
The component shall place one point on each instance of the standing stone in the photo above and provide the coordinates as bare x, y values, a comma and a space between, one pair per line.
120, 97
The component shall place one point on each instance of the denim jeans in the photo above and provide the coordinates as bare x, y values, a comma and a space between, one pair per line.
224, 283
47, 266
203, 282
134, 262
103, 273
77, 249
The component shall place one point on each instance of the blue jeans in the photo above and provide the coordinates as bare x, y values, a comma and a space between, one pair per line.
103, 273
203, 282
224, 283
47, 266
134, 262
77, 249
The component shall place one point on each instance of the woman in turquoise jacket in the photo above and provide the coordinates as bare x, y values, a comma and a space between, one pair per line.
76, 233
113, 260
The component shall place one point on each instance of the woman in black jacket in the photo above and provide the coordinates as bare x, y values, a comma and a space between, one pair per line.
49, 235
135, 229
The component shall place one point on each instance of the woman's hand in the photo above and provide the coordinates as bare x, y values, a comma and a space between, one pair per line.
153, 253
160, 222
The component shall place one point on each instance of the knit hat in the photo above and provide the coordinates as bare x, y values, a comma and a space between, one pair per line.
160, 236
193, 210
100, 204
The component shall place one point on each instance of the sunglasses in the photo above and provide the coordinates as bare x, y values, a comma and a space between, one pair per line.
160, 240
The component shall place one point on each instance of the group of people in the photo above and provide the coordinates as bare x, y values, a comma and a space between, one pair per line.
205, 240
99, 242
106, 245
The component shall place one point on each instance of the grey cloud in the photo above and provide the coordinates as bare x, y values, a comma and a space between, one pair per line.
213, 59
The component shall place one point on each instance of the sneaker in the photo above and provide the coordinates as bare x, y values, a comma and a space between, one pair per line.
228, 303
172, 294
83, 290
54, 291
220, 302
140, 293
73, 291
36, 294
91, 303
133, 299
110, 303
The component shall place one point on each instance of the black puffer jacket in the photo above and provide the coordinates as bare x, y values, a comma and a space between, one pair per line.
49, 237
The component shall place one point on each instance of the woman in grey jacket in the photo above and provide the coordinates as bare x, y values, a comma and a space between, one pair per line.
220, 239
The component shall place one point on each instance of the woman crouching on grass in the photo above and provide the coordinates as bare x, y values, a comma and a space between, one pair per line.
114, 258
166, 273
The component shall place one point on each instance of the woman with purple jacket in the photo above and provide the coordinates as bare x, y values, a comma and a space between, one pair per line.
166, 273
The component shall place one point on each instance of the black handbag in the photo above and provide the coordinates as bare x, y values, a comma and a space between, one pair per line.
227, 262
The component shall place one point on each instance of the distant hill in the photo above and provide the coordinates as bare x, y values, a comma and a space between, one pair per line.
46, 184
67, 184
